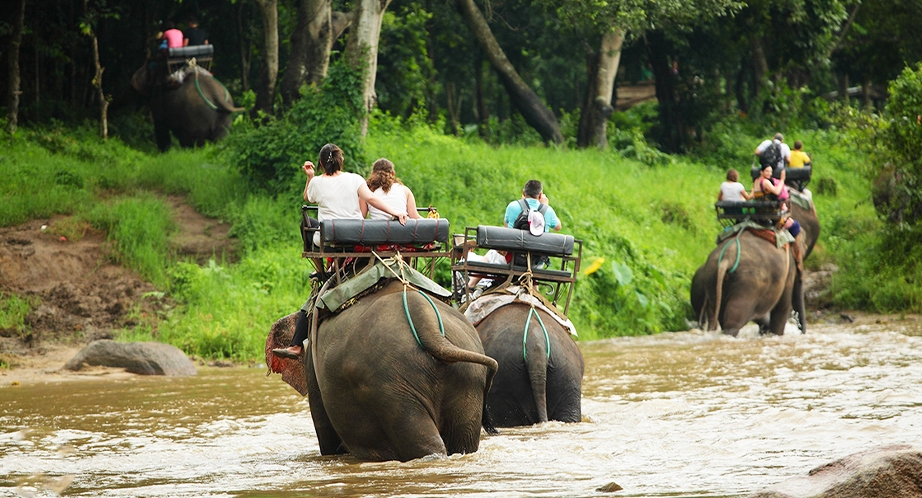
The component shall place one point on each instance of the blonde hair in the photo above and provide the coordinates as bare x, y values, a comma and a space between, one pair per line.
382, 175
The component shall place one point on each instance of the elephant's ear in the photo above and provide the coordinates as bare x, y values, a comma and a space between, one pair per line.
140, 82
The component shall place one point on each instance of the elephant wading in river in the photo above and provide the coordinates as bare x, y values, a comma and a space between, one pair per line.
379, 393
541, 374
195, 111
762, 285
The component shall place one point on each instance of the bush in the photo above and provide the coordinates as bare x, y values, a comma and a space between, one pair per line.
269, 151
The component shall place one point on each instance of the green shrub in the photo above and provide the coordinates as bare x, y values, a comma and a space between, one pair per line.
269, 152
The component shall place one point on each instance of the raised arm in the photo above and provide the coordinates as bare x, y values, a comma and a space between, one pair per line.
308, 169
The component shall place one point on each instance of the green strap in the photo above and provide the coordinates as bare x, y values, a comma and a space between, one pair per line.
737, 240
547, 339
406, 309
201, 94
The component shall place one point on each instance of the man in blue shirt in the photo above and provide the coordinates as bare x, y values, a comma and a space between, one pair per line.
533, 193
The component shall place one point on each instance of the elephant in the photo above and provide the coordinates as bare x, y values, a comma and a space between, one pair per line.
195, 111
747, 295
539, 380
380, 393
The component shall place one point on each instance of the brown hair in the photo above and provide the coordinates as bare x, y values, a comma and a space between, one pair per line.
733, 175
382, 175
798, 145
331, 159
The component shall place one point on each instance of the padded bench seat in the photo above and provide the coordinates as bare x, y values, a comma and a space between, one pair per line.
379, 232
512, 239
192, 51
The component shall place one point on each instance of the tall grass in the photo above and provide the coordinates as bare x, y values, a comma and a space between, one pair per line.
652, 221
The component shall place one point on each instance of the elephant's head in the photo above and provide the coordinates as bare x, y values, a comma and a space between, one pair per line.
141, 82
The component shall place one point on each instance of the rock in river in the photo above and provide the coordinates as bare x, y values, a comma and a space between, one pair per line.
893, 471
145, 358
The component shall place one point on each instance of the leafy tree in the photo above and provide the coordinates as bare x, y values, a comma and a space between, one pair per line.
898, 164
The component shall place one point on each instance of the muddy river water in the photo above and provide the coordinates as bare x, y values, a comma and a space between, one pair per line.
686, 414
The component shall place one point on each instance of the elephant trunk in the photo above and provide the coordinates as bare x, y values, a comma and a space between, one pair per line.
536, 360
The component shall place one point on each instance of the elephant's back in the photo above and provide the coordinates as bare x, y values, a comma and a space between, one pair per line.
503, 334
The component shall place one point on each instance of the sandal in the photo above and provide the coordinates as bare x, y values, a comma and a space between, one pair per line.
285, 353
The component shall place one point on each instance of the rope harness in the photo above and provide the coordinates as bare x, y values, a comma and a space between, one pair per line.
527, 283
191, 64
406, 307
736, 239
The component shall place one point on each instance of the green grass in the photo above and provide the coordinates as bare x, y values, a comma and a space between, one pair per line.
13, 312
652, 222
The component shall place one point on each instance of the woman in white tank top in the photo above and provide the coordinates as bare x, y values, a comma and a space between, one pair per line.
386, 186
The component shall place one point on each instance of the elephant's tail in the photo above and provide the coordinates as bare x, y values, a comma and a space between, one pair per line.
722, 267
221, 103
426, 321
537, 362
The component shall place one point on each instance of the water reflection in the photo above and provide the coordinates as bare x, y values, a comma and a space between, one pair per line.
678, 414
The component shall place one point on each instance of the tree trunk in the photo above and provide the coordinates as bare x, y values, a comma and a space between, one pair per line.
13, 60
535, 112
244, 50
310, 47
483, 115
594, 117
265, 95
362, 48
670, 120
759, 65
97, 82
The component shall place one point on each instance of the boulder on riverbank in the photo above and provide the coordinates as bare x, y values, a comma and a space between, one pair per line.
885, 472
144, 358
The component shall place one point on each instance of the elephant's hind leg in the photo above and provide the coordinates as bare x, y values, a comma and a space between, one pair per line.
414, 436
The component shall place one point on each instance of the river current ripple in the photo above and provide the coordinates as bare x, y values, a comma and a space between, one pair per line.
684, 414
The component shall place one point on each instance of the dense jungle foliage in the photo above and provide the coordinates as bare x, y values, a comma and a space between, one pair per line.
642, 201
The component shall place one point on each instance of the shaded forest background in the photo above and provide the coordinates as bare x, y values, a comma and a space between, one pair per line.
709, 59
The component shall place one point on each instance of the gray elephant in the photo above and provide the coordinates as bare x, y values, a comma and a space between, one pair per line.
540, 376
380, 393
749, 292
197, 110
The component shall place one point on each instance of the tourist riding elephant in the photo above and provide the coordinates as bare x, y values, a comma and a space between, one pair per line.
701, 286
748, 278
540, 376
384, 384
197, 110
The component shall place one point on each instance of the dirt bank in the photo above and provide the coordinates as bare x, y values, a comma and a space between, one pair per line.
66, 270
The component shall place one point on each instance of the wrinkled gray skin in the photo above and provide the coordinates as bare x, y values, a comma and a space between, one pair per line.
703, 287
377, 394
531, 388
184, 111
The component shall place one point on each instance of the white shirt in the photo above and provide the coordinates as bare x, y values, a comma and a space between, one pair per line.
732, 191
337, 197
785, 153
395, 198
